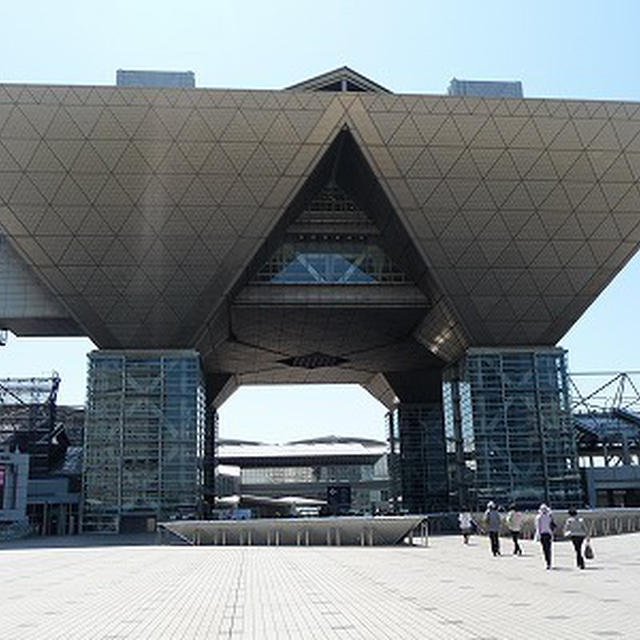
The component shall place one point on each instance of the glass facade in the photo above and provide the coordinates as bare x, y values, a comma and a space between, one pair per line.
418, 463
144, 78
508, 429
310, 469
331, 242
144, 437
328, 473
485, 88
309, 260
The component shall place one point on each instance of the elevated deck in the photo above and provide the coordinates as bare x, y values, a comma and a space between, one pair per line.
349, 531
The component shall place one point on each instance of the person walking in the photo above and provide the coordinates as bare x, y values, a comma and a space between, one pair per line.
492, 525
544, 531
466, 525
514, 524
576, 530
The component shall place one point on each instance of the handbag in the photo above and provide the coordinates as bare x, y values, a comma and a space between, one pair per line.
588, 550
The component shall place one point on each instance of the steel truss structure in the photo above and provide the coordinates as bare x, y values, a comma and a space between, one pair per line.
28, 412
606, 410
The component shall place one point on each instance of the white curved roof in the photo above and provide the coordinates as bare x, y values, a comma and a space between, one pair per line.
305, 450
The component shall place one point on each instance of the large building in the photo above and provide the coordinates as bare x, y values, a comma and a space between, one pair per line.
348, 475
332, 231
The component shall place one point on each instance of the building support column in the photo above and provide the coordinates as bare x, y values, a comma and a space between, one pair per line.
144, 434
509, 427
416, 435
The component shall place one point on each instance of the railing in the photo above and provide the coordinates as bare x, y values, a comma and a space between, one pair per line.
600, 522
612, 522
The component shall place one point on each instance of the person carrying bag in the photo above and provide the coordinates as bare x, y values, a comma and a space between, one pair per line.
588, 549
576, 530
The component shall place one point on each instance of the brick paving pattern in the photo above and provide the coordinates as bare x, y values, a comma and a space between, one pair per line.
447, 590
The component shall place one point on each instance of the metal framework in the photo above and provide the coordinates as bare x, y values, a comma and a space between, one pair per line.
604, 391
144, 438
509, 431
28, 418
606, 409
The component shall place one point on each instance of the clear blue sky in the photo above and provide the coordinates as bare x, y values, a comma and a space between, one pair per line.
569, 49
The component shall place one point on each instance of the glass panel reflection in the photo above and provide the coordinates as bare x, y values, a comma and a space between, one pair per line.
323, 262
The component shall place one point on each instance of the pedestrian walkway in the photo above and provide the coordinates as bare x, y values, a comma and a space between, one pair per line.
448, 590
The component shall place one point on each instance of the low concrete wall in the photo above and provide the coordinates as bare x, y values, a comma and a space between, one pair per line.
601, 522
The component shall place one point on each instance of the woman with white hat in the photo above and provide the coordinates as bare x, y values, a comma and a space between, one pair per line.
544, 531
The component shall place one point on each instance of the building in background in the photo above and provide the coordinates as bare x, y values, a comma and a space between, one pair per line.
350, 475
46, 439
227, 480
606, 416
609, 445
28, 412
14, 479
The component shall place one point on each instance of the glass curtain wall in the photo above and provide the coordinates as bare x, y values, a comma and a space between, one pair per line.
508, 429
417, 460
144, 438
331, 242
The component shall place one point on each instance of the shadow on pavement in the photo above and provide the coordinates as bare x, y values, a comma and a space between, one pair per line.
81, 541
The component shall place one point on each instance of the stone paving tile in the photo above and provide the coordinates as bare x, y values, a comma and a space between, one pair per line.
447, 590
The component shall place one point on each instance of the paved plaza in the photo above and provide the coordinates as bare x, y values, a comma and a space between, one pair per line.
87, 589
